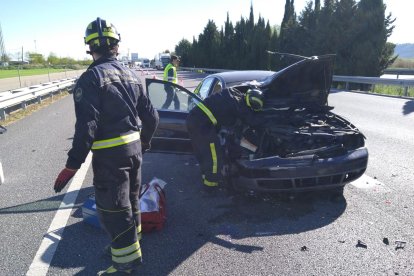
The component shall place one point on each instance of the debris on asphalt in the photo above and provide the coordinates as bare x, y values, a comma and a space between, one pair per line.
342, 241
386, 241
304, 248
361, 244
400, 244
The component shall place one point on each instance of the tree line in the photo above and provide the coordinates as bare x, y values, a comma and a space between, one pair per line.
356, 32
37, 60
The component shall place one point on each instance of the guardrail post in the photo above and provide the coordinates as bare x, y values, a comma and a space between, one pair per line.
347, 86
20, 81
39, 99
406, 91
23, 105
2, 114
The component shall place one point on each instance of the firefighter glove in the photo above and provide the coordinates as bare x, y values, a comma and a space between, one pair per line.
145, 147
63, 178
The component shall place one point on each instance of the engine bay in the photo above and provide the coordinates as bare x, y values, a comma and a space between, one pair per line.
293, 132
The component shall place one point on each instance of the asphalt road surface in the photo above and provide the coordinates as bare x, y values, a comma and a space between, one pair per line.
221, 233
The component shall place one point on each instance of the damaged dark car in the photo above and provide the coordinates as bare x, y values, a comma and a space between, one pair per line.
300, 144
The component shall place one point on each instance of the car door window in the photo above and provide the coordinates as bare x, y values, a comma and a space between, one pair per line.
217, 87
203, 88
168, 96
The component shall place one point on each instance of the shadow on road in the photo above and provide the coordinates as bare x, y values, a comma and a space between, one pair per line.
44, 205
197, 219
408, 107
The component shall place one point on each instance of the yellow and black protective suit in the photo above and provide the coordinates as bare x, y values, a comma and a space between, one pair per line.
203, 123
109, 102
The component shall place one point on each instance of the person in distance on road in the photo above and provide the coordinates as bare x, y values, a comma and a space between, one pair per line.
224, 108
109, 101
170, 74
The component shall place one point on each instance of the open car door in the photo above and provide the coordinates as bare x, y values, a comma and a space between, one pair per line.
171, 135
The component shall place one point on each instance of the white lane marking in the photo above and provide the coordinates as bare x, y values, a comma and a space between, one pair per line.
367, 182
1, 174
41, 262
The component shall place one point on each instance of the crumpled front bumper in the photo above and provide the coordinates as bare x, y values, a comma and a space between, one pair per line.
304, 173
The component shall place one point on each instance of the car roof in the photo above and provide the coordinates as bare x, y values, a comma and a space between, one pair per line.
231, 77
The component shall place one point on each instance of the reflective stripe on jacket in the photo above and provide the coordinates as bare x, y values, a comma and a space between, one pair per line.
117, 141
208, 113
110, 102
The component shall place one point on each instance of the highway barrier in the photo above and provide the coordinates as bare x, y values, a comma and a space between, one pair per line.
20, 98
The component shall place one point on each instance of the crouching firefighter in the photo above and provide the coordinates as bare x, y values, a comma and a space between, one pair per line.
109, 102
203, 123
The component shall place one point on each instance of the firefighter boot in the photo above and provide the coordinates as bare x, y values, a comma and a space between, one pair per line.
115, 272
119, 269
107, 248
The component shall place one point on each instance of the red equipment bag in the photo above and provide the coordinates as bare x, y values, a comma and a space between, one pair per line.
153, 206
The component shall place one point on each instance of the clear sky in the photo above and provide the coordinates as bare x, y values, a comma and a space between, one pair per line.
146, 26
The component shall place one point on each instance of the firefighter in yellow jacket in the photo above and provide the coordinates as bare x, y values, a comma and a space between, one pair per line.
109, 102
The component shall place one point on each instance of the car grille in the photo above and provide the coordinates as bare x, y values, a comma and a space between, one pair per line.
309, 182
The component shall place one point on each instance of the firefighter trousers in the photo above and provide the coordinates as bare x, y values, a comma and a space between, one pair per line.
207, 148
117, 181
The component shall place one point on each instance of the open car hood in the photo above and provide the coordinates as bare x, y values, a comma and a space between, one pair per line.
304, 83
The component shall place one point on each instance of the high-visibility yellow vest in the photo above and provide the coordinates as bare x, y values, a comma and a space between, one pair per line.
167, 68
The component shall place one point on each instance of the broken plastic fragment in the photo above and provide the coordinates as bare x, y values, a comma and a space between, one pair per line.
361, 244
400, 244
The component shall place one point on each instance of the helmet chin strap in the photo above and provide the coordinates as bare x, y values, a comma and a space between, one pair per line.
90, 53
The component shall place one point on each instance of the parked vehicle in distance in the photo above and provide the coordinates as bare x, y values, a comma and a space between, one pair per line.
145, 63
161, 60
301, 145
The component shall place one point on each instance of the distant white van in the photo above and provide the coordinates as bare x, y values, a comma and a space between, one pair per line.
145, 63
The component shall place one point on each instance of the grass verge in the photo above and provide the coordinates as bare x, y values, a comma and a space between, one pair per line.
12, 73
393, 90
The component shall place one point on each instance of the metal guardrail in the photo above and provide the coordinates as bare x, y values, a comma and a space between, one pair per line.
23, 96
404, 83
398, 72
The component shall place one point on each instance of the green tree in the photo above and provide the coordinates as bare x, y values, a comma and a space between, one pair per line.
209, 44
345, 29
289, 39
370, 53
35, 58
227, 46
183, 49
53, 59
